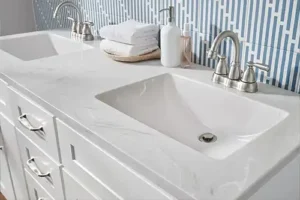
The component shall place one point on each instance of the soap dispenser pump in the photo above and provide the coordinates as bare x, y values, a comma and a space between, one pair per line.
170, 41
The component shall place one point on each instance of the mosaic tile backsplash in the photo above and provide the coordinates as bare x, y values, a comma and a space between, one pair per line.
269, 30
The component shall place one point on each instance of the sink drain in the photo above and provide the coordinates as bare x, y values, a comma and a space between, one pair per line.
207, 138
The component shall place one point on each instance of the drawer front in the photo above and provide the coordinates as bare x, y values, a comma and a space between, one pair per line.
40, 166
6, 187
13, 157
74, 190
35, 122
84, 159
4, 102
36, 191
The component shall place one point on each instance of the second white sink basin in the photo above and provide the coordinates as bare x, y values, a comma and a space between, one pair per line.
184, 109
41, 45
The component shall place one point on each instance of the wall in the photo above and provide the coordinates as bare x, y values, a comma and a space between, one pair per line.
269, 30
16, 16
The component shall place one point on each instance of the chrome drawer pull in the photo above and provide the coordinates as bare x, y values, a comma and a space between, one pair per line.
33, 167
25, 122
41, 198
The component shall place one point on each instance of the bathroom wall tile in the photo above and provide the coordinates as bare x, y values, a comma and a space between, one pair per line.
215, 16
274, 23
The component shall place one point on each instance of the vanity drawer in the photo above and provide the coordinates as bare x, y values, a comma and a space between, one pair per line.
74, 190
4, 103
35, 122
36, 191
40, 166
99, 171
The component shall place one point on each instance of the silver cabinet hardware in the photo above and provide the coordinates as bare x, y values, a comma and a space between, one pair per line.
25, 123
34, 168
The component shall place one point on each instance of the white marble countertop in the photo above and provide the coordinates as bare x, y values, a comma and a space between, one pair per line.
67, 85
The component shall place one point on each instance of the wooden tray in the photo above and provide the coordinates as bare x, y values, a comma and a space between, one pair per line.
149, 56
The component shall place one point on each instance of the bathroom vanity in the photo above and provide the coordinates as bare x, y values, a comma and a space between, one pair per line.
77, 125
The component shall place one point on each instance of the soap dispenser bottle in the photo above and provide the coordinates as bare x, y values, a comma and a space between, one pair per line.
170, 41
186, 47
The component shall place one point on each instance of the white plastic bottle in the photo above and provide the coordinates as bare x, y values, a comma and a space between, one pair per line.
170, 42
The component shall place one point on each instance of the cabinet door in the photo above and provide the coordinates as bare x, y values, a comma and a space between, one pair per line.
13, 157
75, 191
6, 187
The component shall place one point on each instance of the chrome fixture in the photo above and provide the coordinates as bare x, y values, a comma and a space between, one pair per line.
207, 138
235, 69
80, 30
86, 31
71, 4
233, 78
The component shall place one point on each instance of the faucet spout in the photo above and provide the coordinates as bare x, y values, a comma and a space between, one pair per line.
71, 4
235, 71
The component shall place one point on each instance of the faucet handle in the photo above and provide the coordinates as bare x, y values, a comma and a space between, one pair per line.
74, 25
71, 19
261, 66
221, 68
86, 31
249, 74
88, 23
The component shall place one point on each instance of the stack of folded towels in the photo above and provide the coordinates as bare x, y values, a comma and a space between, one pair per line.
130, 38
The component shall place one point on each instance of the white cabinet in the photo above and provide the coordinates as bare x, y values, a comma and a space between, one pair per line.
284, 185
6, 187
13, 157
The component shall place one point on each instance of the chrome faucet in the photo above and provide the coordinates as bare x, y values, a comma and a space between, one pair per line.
233, 79
80, 29
235, 69
71, 4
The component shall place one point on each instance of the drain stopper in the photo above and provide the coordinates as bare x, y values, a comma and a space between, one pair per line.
207, 138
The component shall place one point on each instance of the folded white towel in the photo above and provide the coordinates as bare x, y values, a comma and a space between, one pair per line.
130, 32
127, 50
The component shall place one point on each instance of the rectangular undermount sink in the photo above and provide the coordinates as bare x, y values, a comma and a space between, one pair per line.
42, 45
184, 109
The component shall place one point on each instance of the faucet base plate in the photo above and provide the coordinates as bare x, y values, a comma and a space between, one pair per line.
236, 84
